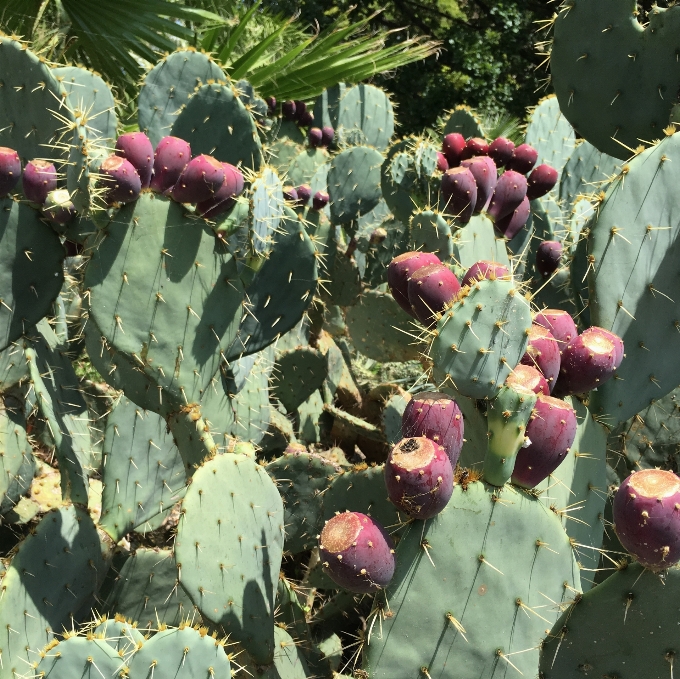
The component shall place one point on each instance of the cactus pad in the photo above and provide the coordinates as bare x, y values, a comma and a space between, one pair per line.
298, 373
78, 656
466, 122
354, 183
430, 232
17, 463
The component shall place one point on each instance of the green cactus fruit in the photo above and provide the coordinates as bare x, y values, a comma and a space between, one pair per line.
215, 122
118, 633
482, 338
507, 418
78, 656
230, 563
486, 541
55, 572
91, 99
304, 166
477, 241
613, 77
431, 232
143, 474
144, 587
354, 183
167, 87
629, 606
17, 464
631, 280
465, 121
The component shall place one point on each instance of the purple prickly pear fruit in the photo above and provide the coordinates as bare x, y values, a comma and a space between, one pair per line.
511, 190
315, 137
40, 178
288, 109
551, 431
200, 180
475, 147
486, 176
300, 109
526, 378
560, 324
290, 194
58, 207
453, 147
377, 236
223, 200
437, 417
588, 361
10, 170
306, 119
171, 157
400, 269
548, 257
419, 477
510, 225
356, 552
459, 193
320, 200
524, 157
501, 150
646, 513
543, 353
327, 135
442, 163
430, 289
484, 269
120, 180
541, 181
304, 193
136, 147
271, 105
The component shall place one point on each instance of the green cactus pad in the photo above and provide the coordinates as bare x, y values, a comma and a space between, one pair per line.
173, 315
278, 435
466, 122
143, 473
343, 282
34, 114
167, 88
85, 158
78, 656
282, 152
634, 241
90, 97
54, 574
380, 255
578, 488
615, 80
482, 338
303, 167
302, 479
13, 366
512, 566
354, 183
476, 439
122, 636
31, 259
216, 123
309, 429
143, 587
230, 560
183, 653
382, 330
430, 232
17, 464
298, 373
629, 617
288, 662
391, 417
477, 240
267, 210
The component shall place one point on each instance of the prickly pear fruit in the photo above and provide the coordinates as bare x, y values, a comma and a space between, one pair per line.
484, 270
10, 170
290, 194
501, 150
486, 176
120, 180
327, 135
306, 119
304, 193
548, 255
137, 148
231, 188
459, 193
442, 163
511, 190
419, 477
510, 225
399, 271
356, 552
588, 361
58, 207
560, 323
271, 105
315, 137
524, 157
40, 178
199, 181
171, 157
541, 181
288, 110
437, 417
647, 517
300, 109
320, 200
551, 431
527, 378
543, 353
453, 146
475, 147
430, 289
